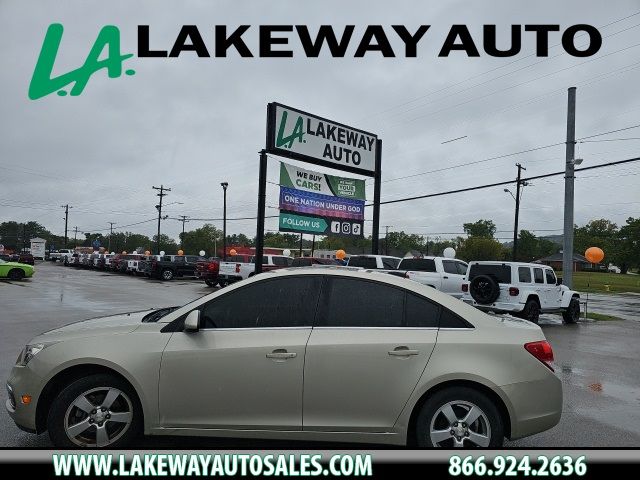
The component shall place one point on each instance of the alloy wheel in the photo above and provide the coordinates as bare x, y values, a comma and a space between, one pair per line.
98, 417
460, 424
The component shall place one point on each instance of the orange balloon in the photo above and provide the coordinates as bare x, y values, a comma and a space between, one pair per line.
340, 254
147, 253
180, 252
232, 251
594, 254
124, 252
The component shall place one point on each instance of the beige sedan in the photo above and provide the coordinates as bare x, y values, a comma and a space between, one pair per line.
309, 354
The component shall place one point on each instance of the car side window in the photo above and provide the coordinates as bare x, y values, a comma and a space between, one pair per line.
524, 274
282, 302
448, 319
420, 312
462, 268
538, 275
390, 263
551, 277
363, 262
351, 302
450, 266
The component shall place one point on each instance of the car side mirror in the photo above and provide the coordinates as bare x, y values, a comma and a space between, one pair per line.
559, 281
192, 322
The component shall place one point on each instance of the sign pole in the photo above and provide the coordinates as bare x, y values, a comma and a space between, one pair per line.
375, 234
262, 201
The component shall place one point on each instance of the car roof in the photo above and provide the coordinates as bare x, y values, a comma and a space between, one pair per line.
516, 264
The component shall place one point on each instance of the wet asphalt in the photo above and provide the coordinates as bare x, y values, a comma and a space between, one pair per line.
599, 362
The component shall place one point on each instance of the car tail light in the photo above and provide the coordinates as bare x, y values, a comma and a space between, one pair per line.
514, 291
213, 267
465, 287
542, 351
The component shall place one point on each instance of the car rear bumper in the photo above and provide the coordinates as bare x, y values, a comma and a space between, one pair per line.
536, 405
495, 307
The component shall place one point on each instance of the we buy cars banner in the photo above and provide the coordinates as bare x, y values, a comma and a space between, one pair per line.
320, 204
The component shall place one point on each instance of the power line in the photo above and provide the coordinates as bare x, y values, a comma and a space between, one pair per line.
506, 182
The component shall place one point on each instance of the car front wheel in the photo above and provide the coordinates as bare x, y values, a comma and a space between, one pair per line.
167, 274
16, 274
572, 313
459, 417
96, 411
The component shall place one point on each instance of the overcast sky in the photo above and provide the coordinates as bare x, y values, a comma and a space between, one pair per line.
190, 123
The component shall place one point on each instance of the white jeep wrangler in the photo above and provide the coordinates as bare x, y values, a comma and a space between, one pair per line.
522, 289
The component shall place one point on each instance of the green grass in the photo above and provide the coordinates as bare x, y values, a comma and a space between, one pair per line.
605, 282
601, 317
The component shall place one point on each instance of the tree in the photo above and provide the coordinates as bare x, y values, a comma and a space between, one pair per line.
629, 245
532, 248
598, 233
480, 248
480, 229
167, 244
207, 238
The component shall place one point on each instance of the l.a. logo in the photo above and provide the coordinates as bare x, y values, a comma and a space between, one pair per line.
297, 133
42, 84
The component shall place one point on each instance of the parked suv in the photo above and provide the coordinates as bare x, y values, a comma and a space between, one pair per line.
444, 274
522, 289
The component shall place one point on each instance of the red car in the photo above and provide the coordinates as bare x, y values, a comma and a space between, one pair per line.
23, 258
208, 271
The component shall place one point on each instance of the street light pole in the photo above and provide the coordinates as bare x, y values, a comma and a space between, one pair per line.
224, 221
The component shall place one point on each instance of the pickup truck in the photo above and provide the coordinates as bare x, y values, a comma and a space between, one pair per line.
170, 266
374, 262
60, 255
234, 270
444, 274
208, 270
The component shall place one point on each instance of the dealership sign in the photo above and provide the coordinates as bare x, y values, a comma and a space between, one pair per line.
319, 204
296, 134
308, 181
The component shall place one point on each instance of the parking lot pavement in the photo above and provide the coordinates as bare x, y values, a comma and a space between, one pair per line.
597, 361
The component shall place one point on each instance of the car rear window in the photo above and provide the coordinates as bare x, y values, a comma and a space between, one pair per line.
363, 262
418, 264
502, 273
390, 262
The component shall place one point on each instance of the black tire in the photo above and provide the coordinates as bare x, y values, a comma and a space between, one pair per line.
167, 274
460, 398
16, 274
484, 289
210, 283
572, 313
63, 406
531, 311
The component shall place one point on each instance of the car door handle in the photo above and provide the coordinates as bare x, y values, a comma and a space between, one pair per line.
281, 354
402, 352
445, 277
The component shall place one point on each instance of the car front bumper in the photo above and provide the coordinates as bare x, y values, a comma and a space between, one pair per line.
23, 381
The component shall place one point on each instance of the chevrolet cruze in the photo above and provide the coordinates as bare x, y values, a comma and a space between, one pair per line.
312, 353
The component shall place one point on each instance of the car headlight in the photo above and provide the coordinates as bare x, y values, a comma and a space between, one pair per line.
29, 352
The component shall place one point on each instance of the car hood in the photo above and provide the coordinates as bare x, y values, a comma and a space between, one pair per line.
17, 264
109, 325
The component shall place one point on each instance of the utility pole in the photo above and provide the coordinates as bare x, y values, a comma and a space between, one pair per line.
313, 244
66, 221
569, 175
111, 224
224, 186
515, 223
161, 189
386, 237
75, 238
300, 245
183, 219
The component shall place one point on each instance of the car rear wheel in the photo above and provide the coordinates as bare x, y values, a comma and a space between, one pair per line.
167, 274
210, 283
96, 411
572, 313
531, 311
15, 274
459, 417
